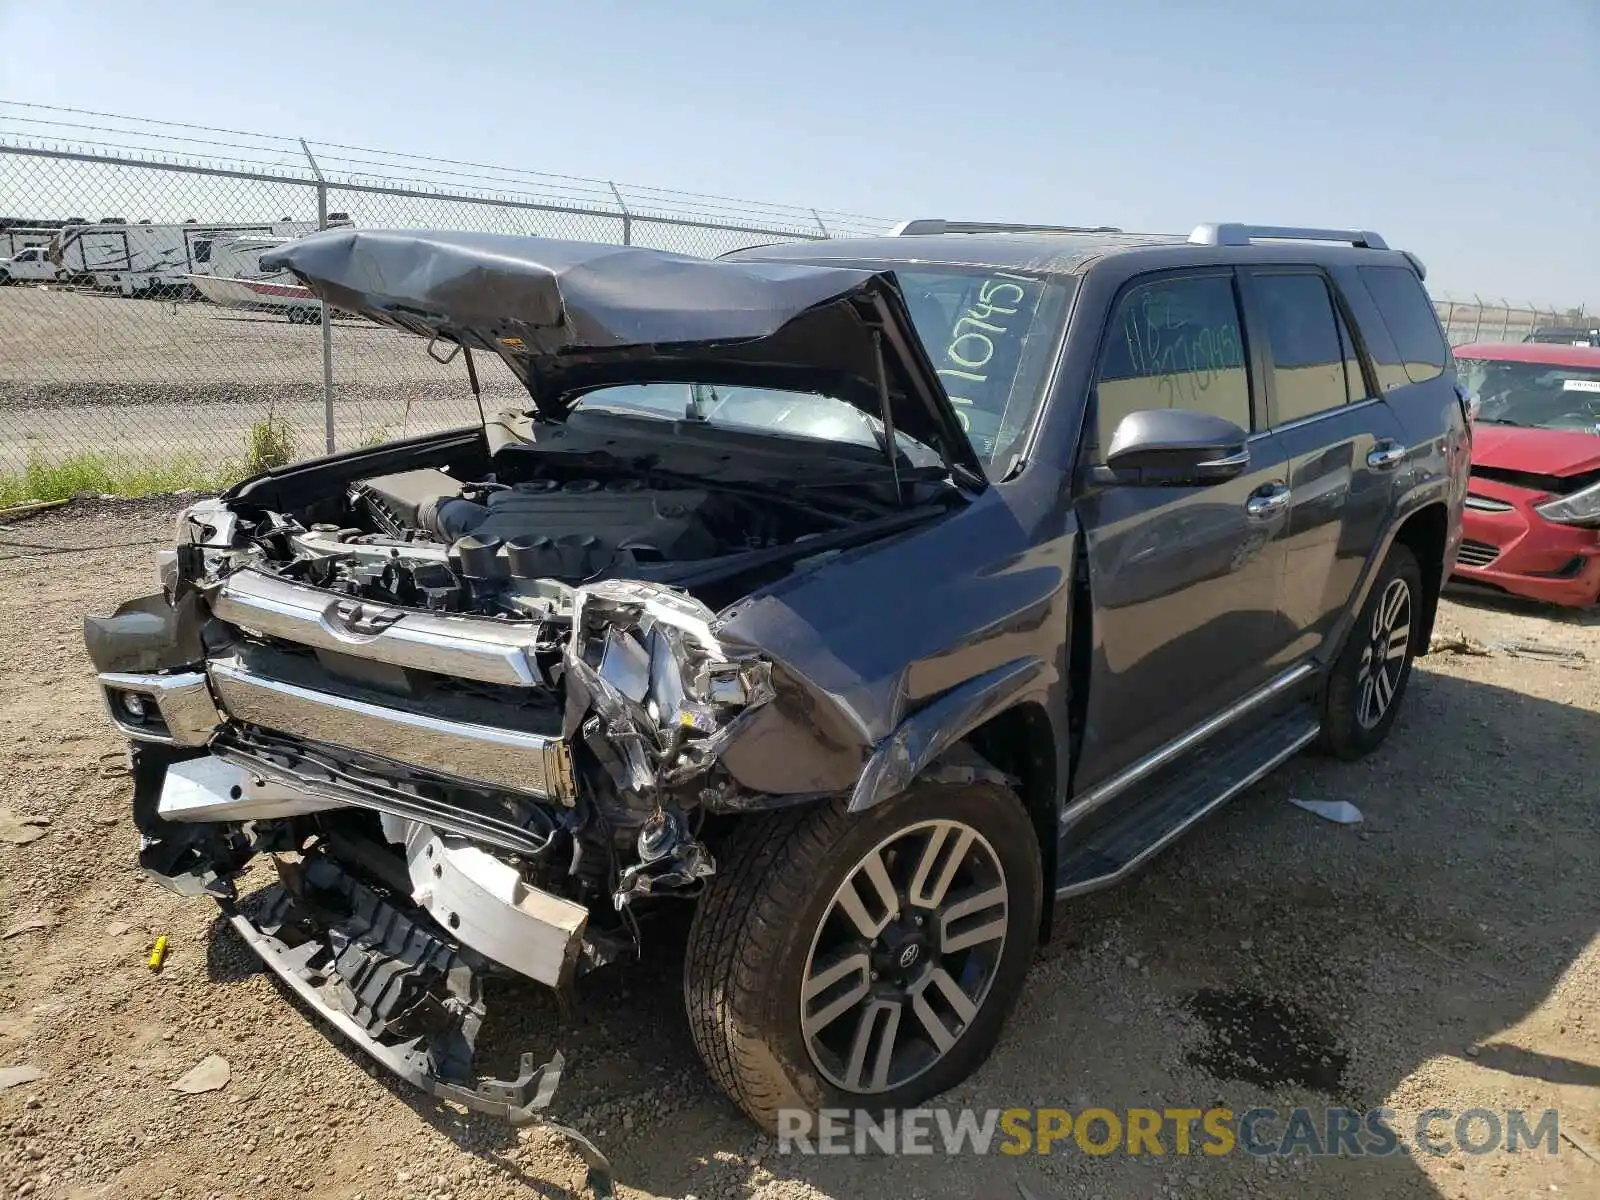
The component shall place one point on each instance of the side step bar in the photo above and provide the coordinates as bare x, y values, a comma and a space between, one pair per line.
1114, 851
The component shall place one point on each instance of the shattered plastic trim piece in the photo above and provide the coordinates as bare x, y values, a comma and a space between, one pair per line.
519, 1101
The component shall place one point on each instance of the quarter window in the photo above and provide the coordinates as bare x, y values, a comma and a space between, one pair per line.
1308, 344
1174, 343
1411, 320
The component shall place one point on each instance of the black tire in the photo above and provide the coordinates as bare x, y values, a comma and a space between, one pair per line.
773, 901
5, 277
1349, 729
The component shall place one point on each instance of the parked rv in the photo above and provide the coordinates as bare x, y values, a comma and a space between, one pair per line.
146, 259
232, 276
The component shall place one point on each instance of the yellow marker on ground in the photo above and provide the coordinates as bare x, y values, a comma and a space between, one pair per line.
158, 954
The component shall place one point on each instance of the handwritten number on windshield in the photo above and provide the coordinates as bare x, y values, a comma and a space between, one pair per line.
977, 333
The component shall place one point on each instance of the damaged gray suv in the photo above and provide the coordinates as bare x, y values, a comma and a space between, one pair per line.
868, 596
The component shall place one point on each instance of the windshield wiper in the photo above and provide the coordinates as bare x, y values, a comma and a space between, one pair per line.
703, 399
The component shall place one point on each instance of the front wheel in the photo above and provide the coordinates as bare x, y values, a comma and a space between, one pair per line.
1368, 679
863, 961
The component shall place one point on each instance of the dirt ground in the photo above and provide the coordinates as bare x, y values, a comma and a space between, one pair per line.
155, 379
1441, 953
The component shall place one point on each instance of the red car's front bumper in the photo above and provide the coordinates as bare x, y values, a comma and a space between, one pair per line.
1517, 551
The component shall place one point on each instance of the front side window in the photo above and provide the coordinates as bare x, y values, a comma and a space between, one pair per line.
1174, 343
28, 256
1534, 394
1308, 347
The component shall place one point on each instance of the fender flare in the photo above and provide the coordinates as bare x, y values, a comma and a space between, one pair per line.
925, 735
1333, 644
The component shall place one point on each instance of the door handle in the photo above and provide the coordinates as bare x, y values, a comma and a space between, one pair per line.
1269, 501
1386, 454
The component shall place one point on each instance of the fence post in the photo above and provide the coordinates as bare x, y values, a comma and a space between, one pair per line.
1505, 318
1477, 327
327, 326
627, 217
820, 225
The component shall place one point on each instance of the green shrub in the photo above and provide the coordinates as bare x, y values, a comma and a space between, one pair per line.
269, 445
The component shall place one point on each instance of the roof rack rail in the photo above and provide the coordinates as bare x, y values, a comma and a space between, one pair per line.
1233, 233
926, 225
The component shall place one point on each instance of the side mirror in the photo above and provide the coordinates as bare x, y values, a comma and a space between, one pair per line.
1164, 446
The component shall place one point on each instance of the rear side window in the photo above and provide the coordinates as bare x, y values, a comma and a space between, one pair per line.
1307, 343
1411, 320
1174, 343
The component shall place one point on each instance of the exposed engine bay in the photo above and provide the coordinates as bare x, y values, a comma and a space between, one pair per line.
423, 539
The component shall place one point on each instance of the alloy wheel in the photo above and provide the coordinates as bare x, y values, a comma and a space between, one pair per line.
1383, 659
904, 956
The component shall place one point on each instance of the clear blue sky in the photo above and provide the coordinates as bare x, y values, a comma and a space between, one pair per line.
1467, 130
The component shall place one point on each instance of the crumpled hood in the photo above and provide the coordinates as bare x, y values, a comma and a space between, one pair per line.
1557, 452
569, 315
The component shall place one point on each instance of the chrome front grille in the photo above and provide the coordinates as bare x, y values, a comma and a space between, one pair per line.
1476, 554
459, 647
514, 760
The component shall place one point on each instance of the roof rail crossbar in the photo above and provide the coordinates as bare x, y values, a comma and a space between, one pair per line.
1233, 233
927, 225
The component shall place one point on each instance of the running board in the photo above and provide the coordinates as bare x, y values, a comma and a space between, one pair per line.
1115, 850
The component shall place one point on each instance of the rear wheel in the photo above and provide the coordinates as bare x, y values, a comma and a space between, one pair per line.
863, 961
1369, 678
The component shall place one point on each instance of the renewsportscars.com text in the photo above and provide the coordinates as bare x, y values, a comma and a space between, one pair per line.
1259, 1132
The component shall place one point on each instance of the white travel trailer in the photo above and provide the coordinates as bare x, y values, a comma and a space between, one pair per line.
146, 259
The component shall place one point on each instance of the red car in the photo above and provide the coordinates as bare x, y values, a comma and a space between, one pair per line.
1532, 523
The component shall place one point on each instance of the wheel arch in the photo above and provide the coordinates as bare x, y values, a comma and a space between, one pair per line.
1021, 742
1002, 717
1425, 532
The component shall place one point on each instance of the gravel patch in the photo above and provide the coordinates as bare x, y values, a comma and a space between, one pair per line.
1440, 953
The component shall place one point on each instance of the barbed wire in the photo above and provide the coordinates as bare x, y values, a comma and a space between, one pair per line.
395, 160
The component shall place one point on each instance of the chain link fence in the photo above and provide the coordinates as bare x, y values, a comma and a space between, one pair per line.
143, 347
152, 353
1476, 320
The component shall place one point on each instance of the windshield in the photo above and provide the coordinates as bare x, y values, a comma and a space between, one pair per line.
990, 334
764, 409
1534, 394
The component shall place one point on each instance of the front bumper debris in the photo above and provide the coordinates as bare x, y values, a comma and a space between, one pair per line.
400, 991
